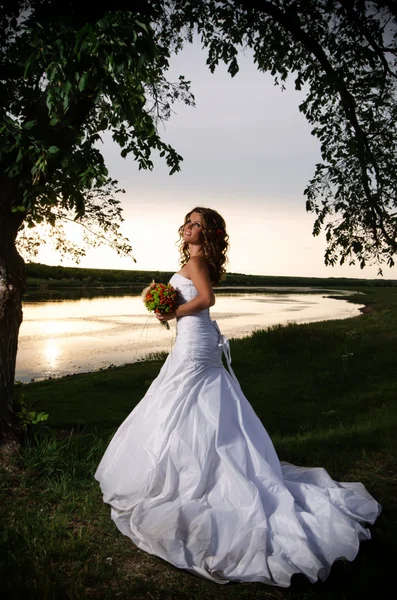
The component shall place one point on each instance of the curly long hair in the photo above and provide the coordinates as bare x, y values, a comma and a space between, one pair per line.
216, 242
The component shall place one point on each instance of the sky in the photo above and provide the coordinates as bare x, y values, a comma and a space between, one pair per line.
248, 153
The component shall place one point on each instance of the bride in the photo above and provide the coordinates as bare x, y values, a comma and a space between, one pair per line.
192, 476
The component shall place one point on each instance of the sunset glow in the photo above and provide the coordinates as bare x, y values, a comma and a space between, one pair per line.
248, 153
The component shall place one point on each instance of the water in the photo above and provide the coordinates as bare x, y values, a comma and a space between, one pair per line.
58, 338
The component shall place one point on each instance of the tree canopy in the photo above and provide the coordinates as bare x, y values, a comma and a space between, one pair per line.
69, 74
343, 55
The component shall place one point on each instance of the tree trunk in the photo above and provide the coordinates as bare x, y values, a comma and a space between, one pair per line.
12, 286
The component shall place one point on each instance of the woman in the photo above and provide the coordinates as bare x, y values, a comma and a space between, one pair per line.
192, 476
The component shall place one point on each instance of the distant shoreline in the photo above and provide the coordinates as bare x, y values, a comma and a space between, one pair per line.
48, 294
41, 277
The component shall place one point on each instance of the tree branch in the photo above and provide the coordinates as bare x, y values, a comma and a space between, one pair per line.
294, 27
94, 233
359, 24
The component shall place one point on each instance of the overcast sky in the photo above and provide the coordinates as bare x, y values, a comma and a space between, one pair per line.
249, 154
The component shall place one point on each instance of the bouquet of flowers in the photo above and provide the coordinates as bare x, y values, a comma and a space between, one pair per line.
160, 298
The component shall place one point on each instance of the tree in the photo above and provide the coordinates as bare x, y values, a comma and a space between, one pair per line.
68, 74
343, 53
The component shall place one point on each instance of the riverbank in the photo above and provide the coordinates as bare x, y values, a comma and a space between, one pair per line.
326, 392
46, 277
109, 331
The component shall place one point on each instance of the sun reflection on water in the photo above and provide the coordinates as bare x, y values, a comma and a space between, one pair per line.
60, 338
52, 351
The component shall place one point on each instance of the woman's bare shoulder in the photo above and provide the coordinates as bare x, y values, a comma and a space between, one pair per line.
197, 263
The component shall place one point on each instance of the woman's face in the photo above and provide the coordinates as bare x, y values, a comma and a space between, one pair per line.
193, 229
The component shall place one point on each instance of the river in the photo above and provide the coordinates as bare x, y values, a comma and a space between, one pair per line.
62, 337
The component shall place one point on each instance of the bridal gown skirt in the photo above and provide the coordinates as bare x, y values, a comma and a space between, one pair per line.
192, 476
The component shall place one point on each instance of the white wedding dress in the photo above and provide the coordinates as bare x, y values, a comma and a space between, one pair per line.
192, 476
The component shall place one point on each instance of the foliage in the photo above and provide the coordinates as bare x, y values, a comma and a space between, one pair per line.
343, 55
66, 77
28, 417
69, 74
100, 225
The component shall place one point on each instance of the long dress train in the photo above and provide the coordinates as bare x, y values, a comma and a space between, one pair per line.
192, 476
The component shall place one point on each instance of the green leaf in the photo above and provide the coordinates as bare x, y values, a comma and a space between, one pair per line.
27, 65
49, 103
83, 81
52, 149
67, 86
65, 91
142, 26
30, 124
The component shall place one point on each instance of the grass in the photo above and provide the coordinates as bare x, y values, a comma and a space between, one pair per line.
326, 393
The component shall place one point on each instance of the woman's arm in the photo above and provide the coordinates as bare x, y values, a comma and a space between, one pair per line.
197, 270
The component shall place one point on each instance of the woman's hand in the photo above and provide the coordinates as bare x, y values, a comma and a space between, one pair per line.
165, 316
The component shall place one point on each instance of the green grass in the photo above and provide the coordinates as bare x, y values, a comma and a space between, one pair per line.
326, 392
